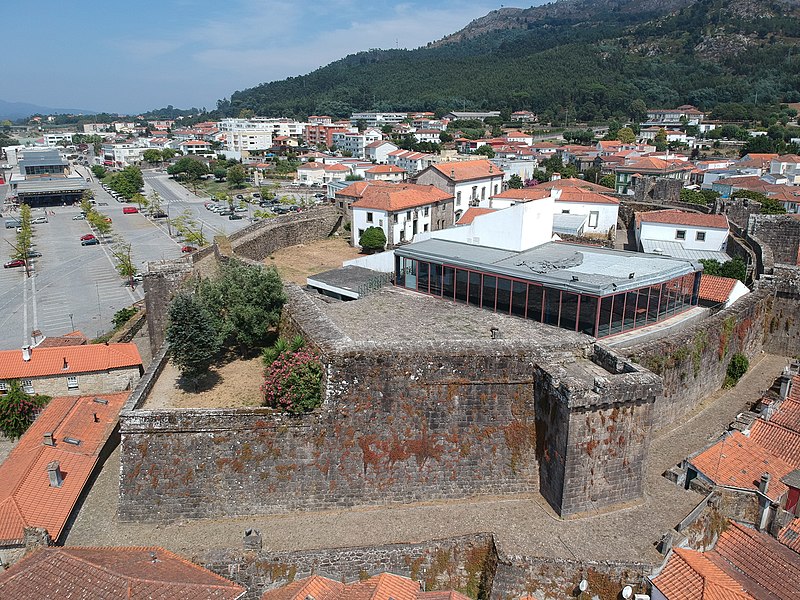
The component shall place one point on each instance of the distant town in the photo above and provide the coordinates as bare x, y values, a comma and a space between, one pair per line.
400, 355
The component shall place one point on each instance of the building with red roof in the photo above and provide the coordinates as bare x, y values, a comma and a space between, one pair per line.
45, 474
113, 573
720, 292
385, 173
72, 370
469, 182
630, 174
385, 586
683, 234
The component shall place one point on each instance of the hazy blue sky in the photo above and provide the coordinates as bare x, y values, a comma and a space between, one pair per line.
134, 56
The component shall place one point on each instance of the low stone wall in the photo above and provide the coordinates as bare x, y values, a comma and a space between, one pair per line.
693, 362
464, 563
781, 233
783, 329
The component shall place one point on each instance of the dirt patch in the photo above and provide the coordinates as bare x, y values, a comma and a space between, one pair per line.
238, 384
295, 263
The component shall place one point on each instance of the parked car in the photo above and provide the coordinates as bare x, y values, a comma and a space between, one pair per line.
129, 210
225, 212
281, 209
256, 195
88, 236
240, 197
102, 204
91, 242
107, 219
234, 217
37, 220
80, 217
188, 249
240, 209
34, 254
17, 262
159, 215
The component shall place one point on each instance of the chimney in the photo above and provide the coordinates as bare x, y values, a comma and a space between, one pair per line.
763, 503
555, 177
49, 440
36, 337
26, 353
54, 472
786, 383
252, 539
763, 485
66, 364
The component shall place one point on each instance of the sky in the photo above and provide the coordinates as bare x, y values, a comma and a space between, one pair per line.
131, 57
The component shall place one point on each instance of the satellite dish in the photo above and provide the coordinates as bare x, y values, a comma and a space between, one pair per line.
627, 592
583, 585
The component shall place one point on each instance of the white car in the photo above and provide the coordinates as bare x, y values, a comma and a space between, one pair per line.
80, 217
38, 220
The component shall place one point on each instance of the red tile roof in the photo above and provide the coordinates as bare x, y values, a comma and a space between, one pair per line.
113, 573
679, 217
524, 194
26, 498
385, 169
385, 586
472, 212
577, 195
789, 536
468, 170
738, 461
656, 166
399, 196
76, 338
691, 575
789, 414
759, 562
781, 441
79, 359
714, 288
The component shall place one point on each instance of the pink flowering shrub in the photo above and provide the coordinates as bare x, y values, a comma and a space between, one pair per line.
293, 382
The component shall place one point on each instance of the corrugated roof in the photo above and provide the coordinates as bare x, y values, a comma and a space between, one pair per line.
676, 250
138, 573
68, 360
26, 498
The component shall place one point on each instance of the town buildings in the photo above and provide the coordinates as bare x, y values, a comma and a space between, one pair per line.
683, 234
469, 182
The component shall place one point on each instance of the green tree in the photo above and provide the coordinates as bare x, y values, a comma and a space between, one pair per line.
372, 240
168, 153
127, 182
236, 176
220, 173
660, 140
769, 206
245, 304
18, 410
99, 222
608, 181
626, 135
189, 229
140, 200
154, 203
736, 369
193, 340
152, 155
99, 171
125, 266
486, 150
735, 268
515, 182
692, 197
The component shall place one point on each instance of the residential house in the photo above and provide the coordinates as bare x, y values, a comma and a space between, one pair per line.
379, 587
720, 292
787, 165
385, 173
412, 162
675, 117
377, 119
518, 137
469, 182
113, 573
355, 143
46, 472
315, 173
524, 116
402, 210
683, 234
642, 171
321, 134
200, 147
547, 149
122, 154
378, 151
432, 136
762, 162
72, 370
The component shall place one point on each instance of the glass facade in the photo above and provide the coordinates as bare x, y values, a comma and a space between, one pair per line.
593, 315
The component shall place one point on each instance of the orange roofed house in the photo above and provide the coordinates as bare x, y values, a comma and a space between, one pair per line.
380, 587
469, 182
113, 573
45, 474
402, 210
72, 370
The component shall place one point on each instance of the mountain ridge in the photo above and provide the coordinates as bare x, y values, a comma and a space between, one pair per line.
20, 110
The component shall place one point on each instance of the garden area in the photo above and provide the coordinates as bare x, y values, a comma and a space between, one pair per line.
296, 263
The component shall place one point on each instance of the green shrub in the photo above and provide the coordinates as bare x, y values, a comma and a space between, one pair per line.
372, 240
736, 369
293, 382
18, 410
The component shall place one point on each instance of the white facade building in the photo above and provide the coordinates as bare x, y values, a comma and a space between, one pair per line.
51, 140
256, 134
683, 234
377, 119
470, 182
378, 151
122, 154
356, 143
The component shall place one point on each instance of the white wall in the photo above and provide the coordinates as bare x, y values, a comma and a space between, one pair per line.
382, 261
360, 223
716, 239
517, 228
737, 292
606, 217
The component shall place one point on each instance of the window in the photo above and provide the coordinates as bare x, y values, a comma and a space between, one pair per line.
27, 386
495, 189
565, 211
425, 227
680, 234
369, 217
483, 193
394, 218
458, 198
426, 211
700, 236
594, 217
72, 382
3, 387
360, 233
408, 215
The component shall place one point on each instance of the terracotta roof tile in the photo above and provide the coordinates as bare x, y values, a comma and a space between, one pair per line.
468, 170
679, 217
385, 586
26, 498
385, 169
690, 575
714, 288
577, 195
655, 165
524, 194
759, 562
789, 536
399, 196
738, 461
789, 414
80, 359
781, 441
472, 212
112, 573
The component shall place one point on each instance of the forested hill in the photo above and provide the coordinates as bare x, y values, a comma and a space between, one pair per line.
589, 58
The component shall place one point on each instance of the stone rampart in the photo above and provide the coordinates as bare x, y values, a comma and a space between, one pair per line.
781, 233
693, 362
783, 330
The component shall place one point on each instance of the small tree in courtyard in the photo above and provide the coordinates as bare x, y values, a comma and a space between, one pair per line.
18, 410
372, 240
736, 369
192, 337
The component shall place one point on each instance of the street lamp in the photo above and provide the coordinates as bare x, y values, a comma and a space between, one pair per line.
71, 323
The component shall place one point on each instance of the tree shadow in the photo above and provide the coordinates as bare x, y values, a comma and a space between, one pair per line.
202, 383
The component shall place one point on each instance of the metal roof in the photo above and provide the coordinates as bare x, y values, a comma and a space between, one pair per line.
676, 250
42, 158
43, 186
571, 267
569, 224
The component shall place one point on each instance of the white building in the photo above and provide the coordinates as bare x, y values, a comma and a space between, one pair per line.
51, 140
122, 154
378, 151
316, 173
256, 134
355, 143
385, 173
470, 182
377, 119
787, 165
411, 161
432, 136
683, 234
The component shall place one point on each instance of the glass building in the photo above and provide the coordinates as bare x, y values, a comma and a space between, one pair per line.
592, 290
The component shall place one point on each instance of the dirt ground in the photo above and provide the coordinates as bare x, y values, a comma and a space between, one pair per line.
238, 385
295, 263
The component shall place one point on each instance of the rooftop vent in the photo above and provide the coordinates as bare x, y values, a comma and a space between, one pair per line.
54, 474
72, 440
48, 439
26, 353
100, 401
65, 366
